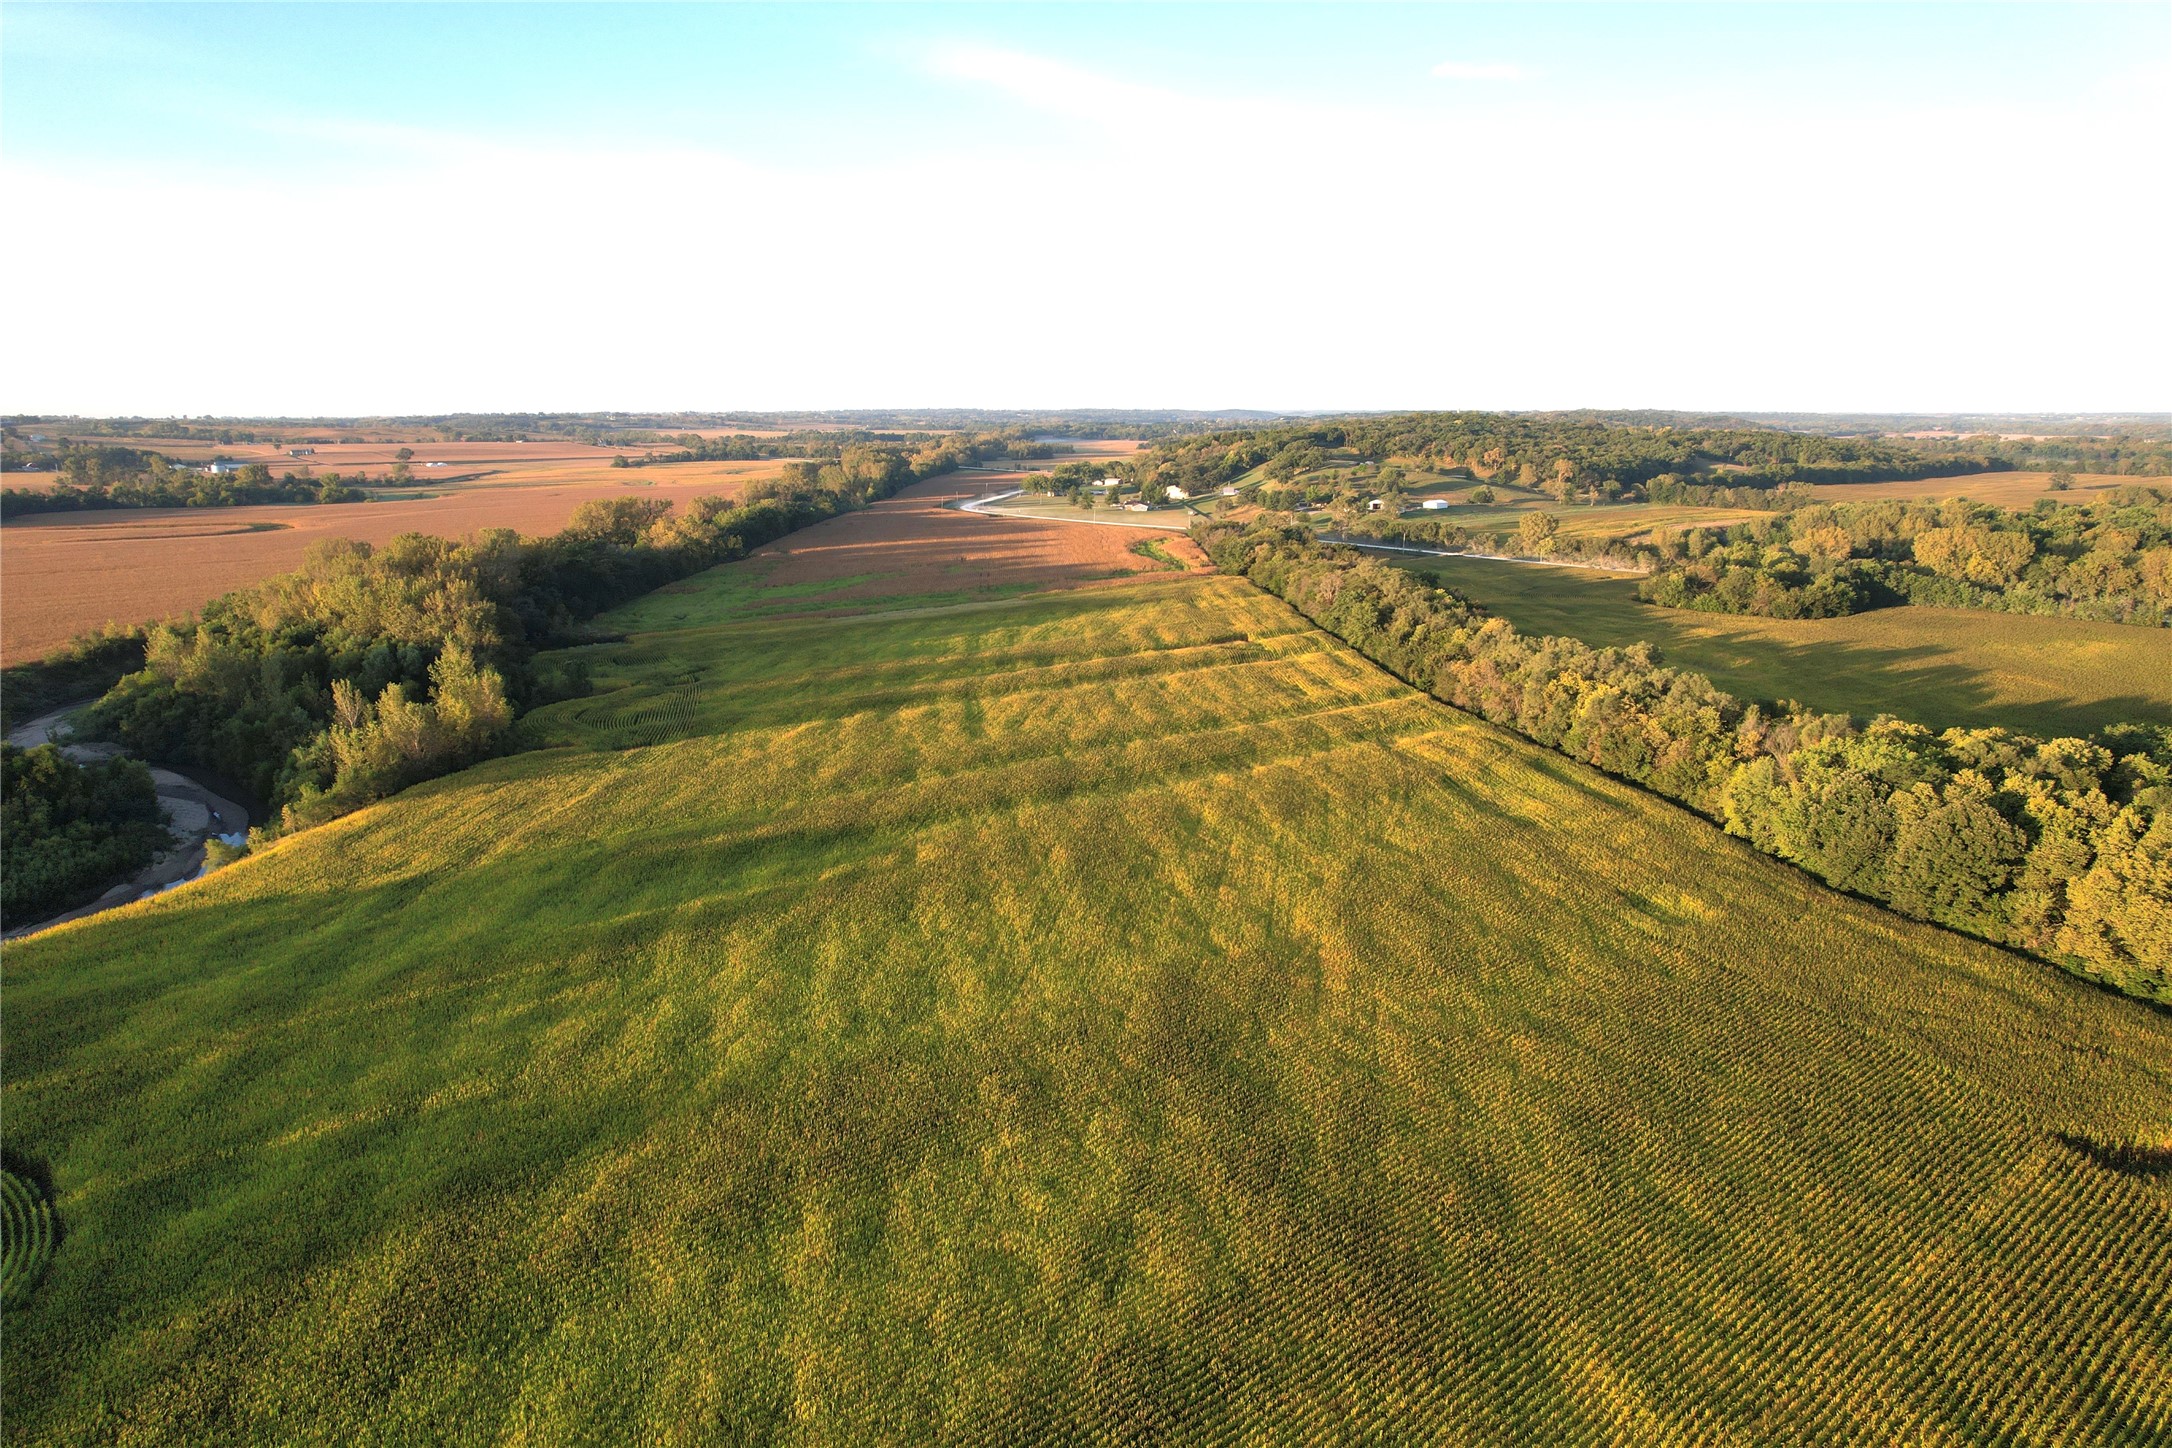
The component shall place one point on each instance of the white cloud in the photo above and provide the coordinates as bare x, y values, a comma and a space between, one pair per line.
1480, 70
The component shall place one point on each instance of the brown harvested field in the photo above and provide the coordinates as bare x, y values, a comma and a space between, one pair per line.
342, 455
64, 573
913, 546
2003, 490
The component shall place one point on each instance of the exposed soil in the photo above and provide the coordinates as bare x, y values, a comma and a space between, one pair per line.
64, 573
915, 543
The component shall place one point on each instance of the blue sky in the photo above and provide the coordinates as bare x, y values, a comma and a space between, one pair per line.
330, 208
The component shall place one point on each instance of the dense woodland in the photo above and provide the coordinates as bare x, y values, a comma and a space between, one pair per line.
2062, 846
2108, 560
69, 830
1583, 456
1565, 456
97, 476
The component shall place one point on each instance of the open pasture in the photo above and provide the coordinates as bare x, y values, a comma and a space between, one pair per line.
1096, 1016
64, 573
1937, 666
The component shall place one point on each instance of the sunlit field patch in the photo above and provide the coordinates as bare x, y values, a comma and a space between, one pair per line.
1937, 666
1090, 1016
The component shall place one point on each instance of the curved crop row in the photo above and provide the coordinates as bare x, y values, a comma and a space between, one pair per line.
26, 1238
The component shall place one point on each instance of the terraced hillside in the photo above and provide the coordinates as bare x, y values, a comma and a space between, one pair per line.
1106, 1015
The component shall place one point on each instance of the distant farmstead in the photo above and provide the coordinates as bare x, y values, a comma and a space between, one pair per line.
223, 465
301, 452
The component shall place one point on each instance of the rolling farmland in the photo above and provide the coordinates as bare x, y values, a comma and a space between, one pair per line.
912, 550
1098, 1014
64, 573
1936, 666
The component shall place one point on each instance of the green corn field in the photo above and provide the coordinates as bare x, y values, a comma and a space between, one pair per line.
26, 1238
1113, 1016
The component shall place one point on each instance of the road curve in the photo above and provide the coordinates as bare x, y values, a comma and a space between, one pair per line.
195, 814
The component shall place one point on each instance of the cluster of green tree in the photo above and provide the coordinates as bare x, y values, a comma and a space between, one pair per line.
117, 477
82, 669
2062, 847
371, 668
1568, 455
2110, 559
1677, 491
1536, 535
1079, 482
2129, 444
68, 830
2125, 454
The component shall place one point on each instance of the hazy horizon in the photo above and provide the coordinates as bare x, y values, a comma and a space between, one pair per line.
295, 211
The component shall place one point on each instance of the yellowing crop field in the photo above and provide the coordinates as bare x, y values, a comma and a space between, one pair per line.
1098, 1016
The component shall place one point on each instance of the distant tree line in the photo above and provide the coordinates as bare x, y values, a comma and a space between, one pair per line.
2109, 559
838, 447
2062, 846
95, 476
1568, 457
69, 830
643, 428
1581, 456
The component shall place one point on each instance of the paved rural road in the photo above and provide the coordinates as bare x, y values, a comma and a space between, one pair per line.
195, 812
980, 506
